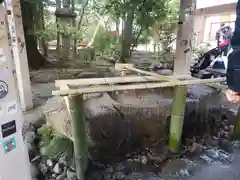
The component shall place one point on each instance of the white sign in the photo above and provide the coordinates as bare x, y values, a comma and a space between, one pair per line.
11, 107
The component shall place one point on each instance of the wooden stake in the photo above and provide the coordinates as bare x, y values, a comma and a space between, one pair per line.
76, 107
177, 117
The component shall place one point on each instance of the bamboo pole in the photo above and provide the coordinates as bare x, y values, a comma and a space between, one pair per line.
104, 88
181, 67
76, 107
110, 80
177, 117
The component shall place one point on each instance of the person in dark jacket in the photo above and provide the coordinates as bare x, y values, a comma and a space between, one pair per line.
233, 70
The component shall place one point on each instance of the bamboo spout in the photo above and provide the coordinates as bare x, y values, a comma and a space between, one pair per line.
76, 108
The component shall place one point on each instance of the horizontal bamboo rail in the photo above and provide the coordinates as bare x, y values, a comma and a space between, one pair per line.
112, 80
84, 90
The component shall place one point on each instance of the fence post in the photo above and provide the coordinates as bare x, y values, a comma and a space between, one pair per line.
76, 107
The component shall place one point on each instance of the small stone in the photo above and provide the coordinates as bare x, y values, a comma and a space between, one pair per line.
30, 137
43, 168
120, 167
34, 170
157, 158
137, 160
184, 172
49, 163
71, 175
225, 121
28, 127
144, 160
130, 160
57, 169
54, 175
226, 128
118, 175
43, 150
158, 66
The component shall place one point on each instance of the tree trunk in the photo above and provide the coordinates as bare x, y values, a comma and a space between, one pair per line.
127, 37
74, 47
58, 5
35, 59
81, 14
43, 41
117, 24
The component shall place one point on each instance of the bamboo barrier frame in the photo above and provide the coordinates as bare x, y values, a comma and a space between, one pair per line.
73, 91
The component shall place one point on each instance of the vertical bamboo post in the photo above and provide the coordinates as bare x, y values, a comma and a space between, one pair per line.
76, 107
177, 117
181, 67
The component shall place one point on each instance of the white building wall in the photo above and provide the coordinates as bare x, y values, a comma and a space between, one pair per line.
211, 3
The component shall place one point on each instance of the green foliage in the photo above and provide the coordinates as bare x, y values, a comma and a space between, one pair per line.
166, 30
48, 33
106, 44
67, 30
58, 146
46, 134
103, 40
55, 144
146, 12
